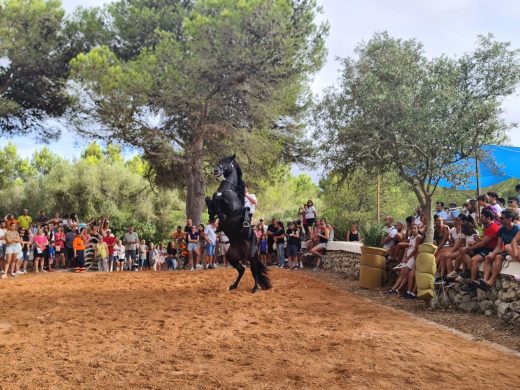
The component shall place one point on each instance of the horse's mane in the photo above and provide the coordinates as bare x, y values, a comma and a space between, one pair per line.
241, 189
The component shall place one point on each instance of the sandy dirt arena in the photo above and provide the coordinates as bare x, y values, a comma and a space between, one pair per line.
185, 330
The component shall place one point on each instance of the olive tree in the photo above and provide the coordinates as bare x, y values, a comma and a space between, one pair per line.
395, 110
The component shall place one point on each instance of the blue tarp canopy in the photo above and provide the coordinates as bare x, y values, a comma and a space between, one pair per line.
502, 163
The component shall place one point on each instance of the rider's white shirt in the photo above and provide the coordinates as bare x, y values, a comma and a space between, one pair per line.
247, 203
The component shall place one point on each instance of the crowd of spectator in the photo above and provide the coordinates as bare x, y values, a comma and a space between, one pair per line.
460, 246
60, 243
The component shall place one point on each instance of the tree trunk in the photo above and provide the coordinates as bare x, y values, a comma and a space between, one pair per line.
195, 180
429, 219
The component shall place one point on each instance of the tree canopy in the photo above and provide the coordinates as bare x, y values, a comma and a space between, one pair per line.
187, 82
395, 110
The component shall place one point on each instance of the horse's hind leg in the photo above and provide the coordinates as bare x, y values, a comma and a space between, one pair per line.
240, 268
254, 270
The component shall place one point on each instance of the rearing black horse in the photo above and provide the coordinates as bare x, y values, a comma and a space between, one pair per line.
228, 205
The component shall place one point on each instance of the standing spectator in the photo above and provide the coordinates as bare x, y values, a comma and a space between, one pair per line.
110, 240
143, 255
9, 220
131, 241
211, 242
223, 247
439, 210
55, 222
517, 190
193, 246
262, 245
59, 241
2, 244
271, 230
79, 246
171, 262
187, 229
301, 213
101, 255
310, 214
202, 247
259, 232
69, 238
177, 241
25, 219
42, 219
12, 249
483, 203
153, 256
250, 203
73, 221
353, 233
279, 238
120, 253
40, 244
293, 242
51, 253
323, 238
26, 247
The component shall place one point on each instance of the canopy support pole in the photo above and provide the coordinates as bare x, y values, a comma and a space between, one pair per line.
378, 199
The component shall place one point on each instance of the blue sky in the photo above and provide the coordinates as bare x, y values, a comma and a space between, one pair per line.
443, 26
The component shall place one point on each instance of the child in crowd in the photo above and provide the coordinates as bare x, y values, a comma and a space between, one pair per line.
52, 254
143, 254
263, 249
407, 265
119, 252
101, 255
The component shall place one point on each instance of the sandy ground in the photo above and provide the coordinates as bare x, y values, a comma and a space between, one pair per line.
185, 330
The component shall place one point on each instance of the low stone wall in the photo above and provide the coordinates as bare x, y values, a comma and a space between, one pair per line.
345, 262
503, 300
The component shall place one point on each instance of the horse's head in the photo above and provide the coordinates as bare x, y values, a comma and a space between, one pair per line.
225, 167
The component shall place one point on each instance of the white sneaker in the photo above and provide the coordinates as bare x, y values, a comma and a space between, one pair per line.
192, 269
301, 264
24, 271
4, 276
400, 265
316, 269
19, 272
517, 277
13, 274
509, 258
453, 274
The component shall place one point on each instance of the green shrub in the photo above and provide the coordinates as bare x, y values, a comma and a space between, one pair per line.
372, 234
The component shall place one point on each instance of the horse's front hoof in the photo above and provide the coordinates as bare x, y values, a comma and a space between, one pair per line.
232, 287
255, 289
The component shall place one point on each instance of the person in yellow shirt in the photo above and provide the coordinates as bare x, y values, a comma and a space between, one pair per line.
25, 219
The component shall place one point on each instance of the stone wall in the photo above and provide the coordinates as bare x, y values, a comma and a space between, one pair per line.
340, 261
503, 300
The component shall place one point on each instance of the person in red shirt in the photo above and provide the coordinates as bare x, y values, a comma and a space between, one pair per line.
482, 248
110, 240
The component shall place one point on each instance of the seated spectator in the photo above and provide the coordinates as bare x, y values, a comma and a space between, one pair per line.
353, 233
321, 247
400, 237
502, 203
468, 237
391, 233
449, 251
407, 266
474, 254
508, 233
453, 212
441, 238
403, 241
517, 190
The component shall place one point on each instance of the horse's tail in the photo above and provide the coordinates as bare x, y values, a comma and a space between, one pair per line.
263, 278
